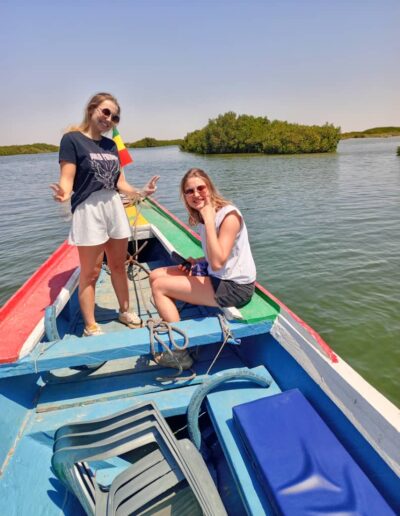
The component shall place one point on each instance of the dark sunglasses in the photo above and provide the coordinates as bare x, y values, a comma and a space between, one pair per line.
199, 189
106, 112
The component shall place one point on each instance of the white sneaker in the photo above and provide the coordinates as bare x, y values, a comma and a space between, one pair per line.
92, 331
131, 319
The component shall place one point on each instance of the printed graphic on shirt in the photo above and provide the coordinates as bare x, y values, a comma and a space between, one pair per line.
104, 167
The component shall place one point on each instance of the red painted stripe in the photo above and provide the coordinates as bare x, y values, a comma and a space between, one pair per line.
326, 348
124, 157
22, 312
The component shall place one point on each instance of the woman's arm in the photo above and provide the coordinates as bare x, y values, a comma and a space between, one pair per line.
63, 189
219, 247
125, 188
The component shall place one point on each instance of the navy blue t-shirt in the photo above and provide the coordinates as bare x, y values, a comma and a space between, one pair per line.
97, 164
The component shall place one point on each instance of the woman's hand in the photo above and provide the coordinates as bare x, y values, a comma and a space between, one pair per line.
151, 186
59, 194
187, 266
207, 211
63, 189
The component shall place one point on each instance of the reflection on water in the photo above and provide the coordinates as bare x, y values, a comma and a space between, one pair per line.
325, 232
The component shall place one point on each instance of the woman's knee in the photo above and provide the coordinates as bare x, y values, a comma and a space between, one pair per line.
156, 274
160, 286
89, 277
155, 283
117, 268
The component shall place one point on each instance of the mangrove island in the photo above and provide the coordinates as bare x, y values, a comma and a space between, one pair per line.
230, 133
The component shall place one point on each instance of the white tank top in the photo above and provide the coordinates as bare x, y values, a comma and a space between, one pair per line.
240, 266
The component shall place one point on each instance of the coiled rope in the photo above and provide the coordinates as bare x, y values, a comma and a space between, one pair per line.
158, 327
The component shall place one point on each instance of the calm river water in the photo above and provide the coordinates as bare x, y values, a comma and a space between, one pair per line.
325, 232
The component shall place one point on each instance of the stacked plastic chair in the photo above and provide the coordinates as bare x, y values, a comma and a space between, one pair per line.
131, 463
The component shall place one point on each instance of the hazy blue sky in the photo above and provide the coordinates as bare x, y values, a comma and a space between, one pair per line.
173, 64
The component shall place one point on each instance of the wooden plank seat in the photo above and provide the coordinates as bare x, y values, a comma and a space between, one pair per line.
301, 465
132, 383
74, 351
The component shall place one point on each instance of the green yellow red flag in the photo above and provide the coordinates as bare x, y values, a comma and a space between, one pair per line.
124, 157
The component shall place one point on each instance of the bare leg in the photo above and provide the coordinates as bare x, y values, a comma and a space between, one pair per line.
172, 270
116, 255
90, 258
170, 284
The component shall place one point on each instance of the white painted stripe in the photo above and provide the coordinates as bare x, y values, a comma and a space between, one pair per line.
62, 299
164, 241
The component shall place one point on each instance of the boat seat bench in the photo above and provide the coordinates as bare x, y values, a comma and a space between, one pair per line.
132, 384
299, 462
74, 351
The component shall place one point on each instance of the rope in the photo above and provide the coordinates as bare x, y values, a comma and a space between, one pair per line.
159, 327
228, 337
203, 390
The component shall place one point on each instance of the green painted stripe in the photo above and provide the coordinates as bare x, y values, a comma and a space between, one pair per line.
260, 308
179, 237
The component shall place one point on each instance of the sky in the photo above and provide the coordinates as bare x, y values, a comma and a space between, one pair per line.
175, 64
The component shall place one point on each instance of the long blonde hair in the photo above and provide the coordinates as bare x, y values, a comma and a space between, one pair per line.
93, 103
217, 200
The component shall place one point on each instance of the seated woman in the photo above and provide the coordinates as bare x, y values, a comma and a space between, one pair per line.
230, 275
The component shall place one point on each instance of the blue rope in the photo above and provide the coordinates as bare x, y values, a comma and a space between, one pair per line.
203, 390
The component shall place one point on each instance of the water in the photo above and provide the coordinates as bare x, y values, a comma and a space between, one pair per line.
325, 233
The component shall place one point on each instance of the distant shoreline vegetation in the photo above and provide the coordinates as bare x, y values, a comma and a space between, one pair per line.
375, 132
34, 148
230, 133
144, 143
38, 148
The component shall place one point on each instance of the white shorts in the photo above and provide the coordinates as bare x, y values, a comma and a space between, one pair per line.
97, 219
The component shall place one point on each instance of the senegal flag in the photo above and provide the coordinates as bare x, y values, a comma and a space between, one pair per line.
124, 157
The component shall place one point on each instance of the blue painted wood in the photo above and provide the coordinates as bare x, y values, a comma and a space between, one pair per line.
16, 400
30, 463
29, 487
132, 384
220, 405
75, 351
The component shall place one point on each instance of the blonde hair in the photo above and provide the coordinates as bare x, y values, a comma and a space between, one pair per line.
93, 103
217, 200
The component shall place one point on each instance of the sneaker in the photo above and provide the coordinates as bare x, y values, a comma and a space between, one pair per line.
164, 359
92, 331
131, 319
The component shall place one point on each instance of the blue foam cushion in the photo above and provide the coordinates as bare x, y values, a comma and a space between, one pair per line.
301, 465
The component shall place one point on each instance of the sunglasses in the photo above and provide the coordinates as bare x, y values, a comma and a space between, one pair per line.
199, 189
106, 112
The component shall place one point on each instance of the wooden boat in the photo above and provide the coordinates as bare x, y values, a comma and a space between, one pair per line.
287, 427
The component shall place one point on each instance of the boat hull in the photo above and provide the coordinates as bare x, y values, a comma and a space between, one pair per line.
40, 392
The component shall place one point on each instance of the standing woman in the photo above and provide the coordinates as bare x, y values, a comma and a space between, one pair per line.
230, 275
91, 177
